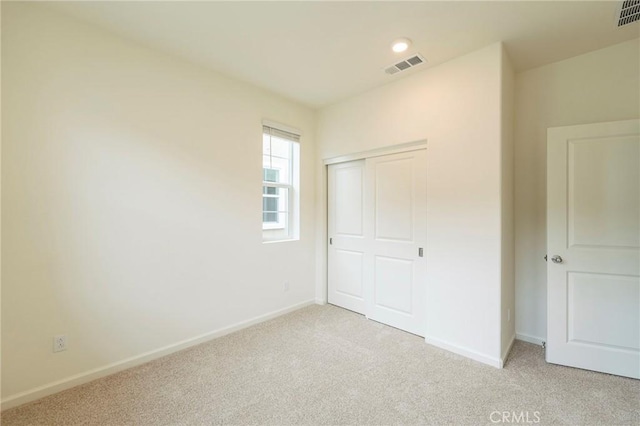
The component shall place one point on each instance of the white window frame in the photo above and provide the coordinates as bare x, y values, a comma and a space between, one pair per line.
290, 227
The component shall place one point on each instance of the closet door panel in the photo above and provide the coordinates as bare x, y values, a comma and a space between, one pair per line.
396, 217
346, 250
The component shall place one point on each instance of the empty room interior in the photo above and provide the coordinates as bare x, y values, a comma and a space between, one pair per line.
305, 213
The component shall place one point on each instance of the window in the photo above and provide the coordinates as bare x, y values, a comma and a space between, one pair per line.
280, 177
270, 197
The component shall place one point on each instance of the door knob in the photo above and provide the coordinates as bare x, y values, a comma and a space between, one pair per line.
556, 259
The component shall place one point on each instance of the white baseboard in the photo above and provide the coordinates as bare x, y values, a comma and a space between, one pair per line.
505, 354
96, 373
530, 339
321, 302
465, 352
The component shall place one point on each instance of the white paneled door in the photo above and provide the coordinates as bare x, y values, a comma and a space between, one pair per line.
377, 231
593, 239
348, 242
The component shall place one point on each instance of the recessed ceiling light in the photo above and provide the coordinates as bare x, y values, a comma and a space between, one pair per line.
400, 45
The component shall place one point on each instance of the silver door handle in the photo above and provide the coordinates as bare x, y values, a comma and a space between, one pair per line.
556, 259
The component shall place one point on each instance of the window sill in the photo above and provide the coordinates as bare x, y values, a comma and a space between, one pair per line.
284, 240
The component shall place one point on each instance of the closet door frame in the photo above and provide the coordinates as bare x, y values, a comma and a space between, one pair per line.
363, 155
323, 280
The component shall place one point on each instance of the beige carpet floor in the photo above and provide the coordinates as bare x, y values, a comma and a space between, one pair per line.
326, 365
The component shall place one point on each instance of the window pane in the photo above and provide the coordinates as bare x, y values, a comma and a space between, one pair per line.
270, 217
270, 175
275, 207
277, 155
269, 204
268, 190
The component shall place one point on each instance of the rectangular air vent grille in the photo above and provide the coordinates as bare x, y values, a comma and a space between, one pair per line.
406, 64
629, 12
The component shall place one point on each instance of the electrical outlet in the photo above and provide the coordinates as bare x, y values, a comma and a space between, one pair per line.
509, 315
286, 286
59, 343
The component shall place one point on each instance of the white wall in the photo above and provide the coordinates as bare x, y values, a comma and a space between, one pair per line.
0, 200
599, 86
457, 107
131, 200
507, 291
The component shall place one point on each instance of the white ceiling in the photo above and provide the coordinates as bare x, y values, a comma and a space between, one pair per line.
320, 52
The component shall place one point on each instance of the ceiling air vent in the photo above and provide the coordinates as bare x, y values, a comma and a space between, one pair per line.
628, 12
408, 63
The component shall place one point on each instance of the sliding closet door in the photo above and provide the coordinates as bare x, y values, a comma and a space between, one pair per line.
377, 233
396, 220
347, 243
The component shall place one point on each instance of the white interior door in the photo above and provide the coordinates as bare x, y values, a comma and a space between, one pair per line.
593, 225
377, 226
397, 222
346, 257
